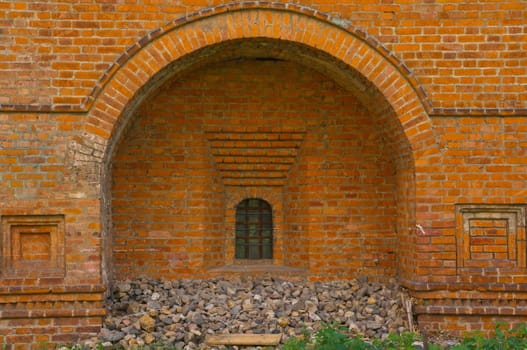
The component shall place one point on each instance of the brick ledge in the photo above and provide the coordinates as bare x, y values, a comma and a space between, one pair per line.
456, 286
79, 288
473, 307
258, 270
25, 314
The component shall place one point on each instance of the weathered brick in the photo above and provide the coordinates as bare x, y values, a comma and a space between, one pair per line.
421, 107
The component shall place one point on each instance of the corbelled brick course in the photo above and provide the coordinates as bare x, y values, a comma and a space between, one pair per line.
390, 139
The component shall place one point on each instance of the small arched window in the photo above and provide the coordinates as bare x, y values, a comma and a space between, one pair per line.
254, 229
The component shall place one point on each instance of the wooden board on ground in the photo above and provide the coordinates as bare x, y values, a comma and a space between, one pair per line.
243, 339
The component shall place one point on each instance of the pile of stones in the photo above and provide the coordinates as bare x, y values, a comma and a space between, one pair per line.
181, 313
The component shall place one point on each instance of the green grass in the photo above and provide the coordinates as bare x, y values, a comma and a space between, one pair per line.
332, 337
504, 339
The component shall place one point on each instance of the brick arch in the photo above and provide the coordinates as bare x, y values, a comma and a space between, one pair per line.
136, 71
333, 47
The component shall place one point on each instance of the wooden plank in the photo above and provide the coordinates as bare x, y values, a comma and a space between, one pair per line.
243, 339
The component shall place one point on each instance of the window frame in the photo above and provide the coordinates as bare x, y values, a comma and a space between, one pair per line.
253, 229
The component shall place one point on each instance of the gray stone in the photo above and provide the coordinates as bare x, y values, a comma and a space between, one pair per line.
123, 287
187, 310
111, 336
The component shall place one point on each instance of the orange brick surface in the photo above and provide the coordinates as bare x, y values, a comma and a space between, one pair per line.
389, 137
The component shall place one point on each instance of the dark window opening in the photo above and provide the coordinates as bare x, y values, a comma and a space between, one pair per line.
254, 230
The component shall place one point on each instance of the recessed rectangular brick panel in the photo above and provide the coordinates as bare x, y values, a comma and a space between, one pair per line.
489, 240
490, 236
33, 245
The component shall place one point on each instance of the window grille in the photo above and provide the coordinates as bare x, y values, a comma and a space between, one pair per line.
254, 229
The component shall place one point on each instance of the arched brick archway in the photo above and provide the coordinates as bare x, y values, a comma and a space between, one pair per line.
336, 49
125, 81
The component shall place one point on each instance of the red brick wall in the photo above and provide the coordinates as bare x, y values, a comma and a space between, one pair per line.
483, 160
444, 89
467, 324
339, 214
340, 199
466, 55
167, 199
45, 332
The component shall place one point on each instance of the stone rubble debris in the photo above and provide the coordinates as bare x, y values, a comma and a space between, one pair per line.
181, 313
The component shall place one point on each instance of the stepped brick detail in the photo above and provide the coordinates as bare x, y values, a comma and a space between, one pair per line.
254, 157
